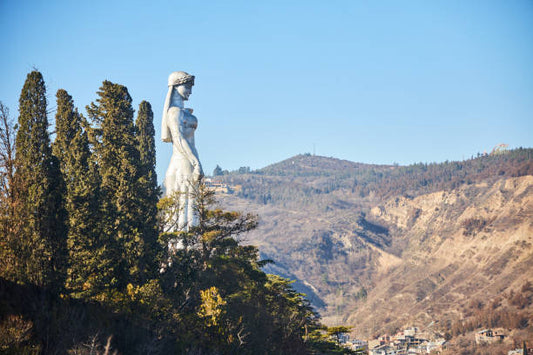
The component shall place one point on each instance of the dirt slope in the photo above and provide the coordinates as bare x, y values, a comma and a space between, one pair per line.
374, 251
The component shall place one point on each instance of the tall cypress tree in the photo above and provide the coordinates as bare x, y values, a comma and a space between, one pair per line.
148, 193
39, 189
119, 167
71, 147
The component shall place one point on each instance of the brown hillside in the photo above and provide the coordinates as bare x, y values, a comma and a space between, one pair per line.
467, 244
379, 247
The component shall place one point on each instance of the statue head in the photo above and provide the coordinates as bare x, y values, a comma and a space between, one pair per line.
181, 83
180, 78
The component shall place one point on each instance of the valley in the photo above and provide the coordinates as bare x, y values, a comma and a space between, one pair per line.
382, 248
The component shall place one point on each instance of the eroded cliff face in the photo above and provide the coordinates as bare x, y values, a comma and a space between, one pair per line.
419, 255
471, 243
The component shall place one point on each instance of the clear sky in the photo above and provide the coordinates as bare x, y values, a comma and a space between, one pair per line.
368, 81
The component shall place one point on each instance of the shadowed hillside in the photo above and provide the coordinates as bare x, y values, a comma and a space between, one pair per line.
381, 246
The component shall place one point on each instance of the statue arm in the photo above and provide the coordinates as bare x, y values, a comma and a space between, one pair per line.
198, 167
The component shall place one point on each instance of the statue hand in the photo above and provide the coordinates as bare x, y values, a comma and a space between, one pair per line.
197, 172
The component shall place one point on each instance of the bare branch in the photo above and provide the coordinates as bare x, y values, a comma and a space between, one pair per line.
7, 152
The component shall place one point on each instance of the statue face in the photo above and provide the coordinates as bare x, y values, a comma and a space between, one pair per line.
184, 91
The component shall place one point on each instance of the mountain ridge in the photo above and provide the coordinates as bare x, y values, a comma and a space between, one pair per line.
340, 227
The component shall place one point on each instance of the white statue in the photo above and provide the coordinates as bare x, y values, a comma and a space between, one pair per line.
184, 171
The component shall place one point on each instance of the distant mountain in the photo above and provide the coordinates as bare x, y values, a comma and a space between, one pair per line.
383, 246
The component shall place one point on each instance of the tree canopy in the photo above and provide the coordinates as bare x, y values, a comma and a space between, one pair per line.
87, 266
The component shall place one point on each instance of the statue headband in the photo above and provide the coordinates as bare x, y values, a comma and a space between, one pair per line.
180, 78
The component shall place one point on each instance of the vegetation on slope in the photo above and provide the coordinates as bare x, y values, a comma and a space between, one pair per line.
402, 243
85, 266
303, 179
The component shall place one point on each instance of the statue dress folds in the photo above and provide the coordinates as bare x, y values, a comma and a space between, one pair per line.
184, 170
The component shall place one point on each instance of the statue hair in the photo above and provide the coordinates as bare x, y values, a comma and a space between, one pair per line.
165, 130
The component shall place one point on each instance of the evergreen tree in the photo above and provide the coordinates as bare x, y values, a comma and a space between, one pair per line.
212, 296
119, 168
224, 301
217, 171
39, 191
71, 147
149, 192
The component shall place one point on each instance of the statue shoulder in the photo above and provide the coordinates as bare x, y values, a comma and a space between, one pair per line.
175, 110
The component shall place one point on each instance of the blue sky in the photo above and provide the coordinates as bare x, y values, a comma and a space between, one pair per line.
367, 81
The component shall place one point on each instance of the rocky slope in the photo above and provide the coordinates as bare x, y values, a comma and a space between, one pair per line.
471, 243
379, 247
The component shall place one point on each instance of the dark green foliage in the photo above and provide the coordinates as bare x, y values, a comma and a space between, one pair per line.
217, 171
310, 180
37, 321
38, 189
71, 147
244, 170
97, 193
213, 298
119, 168
145, 133
148, 193
338, 331
223, 299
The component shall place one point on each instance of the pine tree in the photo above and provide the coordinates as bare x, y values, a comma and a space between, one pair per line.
224, 301
39, 191
217, 171
119, 168
149, 191
71, 147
